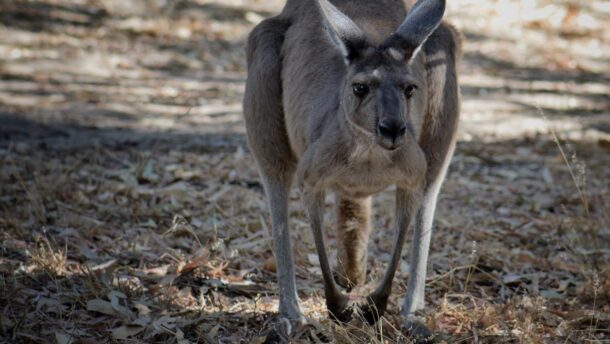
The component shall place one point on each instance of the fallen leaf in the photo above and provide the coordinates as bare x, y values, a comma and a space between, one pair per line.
101, 306
104, 265
142, 309
126, 331
63, 338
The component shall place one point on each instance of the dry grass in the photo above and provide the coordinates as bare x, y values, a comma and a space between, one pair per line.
131, 211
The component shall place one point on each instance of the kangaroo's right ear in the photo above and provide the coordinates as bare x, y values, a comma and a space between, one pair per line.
343, 33
421, 21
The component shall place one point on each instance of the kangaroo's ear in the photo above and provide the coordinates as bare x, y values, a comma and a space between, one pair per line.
423, 18
342, 32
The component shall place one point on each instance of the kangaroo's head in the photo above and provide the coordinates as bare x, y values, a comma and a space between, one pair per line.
383, 94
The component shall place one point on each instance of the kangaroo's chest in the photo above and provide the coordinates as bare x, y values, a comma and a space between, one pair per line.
365, 172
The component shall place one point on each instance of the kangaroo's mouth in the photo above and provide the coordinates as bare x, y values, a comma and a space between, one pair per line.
389, 145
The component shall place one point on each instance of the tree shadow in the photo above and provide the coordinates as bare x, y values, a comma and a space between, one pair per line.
601, 99
216, 11
66, 137
471, 36
40, 16
510, 70
570, 112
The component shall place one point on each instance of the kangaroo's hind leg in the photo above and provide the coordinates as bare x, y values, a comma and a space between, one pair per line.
269, 144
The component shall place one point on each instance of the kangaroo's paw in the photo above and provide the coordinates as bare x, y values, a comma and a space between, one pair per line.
284, 329
340, 309
416, 330
370, 312
374, 308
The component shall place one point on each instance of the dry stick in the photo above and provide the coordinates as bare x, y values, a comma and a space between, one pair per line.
364, 334
581, 193
379, 329
35, 197
595, 286
473, 265
585, 204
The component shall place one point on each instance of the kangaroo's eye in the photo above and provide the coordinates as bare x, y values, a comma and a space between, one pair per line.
360, 89
409, 90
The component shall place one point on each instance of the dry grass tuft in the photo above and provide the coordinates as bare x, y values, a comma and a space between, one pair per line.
45, 258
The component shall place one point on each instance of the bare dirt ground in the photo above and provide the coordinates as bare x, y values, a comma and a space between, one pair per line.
130, 208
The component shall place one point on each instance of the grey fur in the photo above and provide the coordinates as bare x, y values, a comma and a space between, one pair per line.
340, 29
305, 119
423, 18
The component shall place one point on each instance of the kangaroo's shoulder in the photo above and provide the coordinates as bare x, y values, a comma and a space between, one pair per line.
267, 35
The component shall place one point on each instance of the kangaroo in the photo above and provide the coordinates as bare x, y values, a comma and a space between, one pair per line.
351, 97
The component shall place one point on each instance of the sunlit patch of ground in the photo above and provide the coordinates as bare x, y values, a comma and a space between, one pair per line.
130, 207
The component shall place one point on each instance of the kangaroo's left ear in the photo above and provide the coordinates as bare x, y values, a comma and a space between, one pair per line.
342, 32
419, 24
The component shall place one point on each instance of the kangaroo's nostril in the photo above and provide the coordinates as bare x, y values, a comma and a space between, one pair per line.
385, 130
392, 129
402, 130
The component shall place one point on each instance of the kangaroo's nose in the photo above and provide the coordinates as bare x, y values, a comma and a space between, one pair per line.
392, 129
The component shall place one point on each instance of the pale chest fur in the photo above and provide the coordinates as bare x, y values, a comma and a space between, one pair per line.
367, 170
